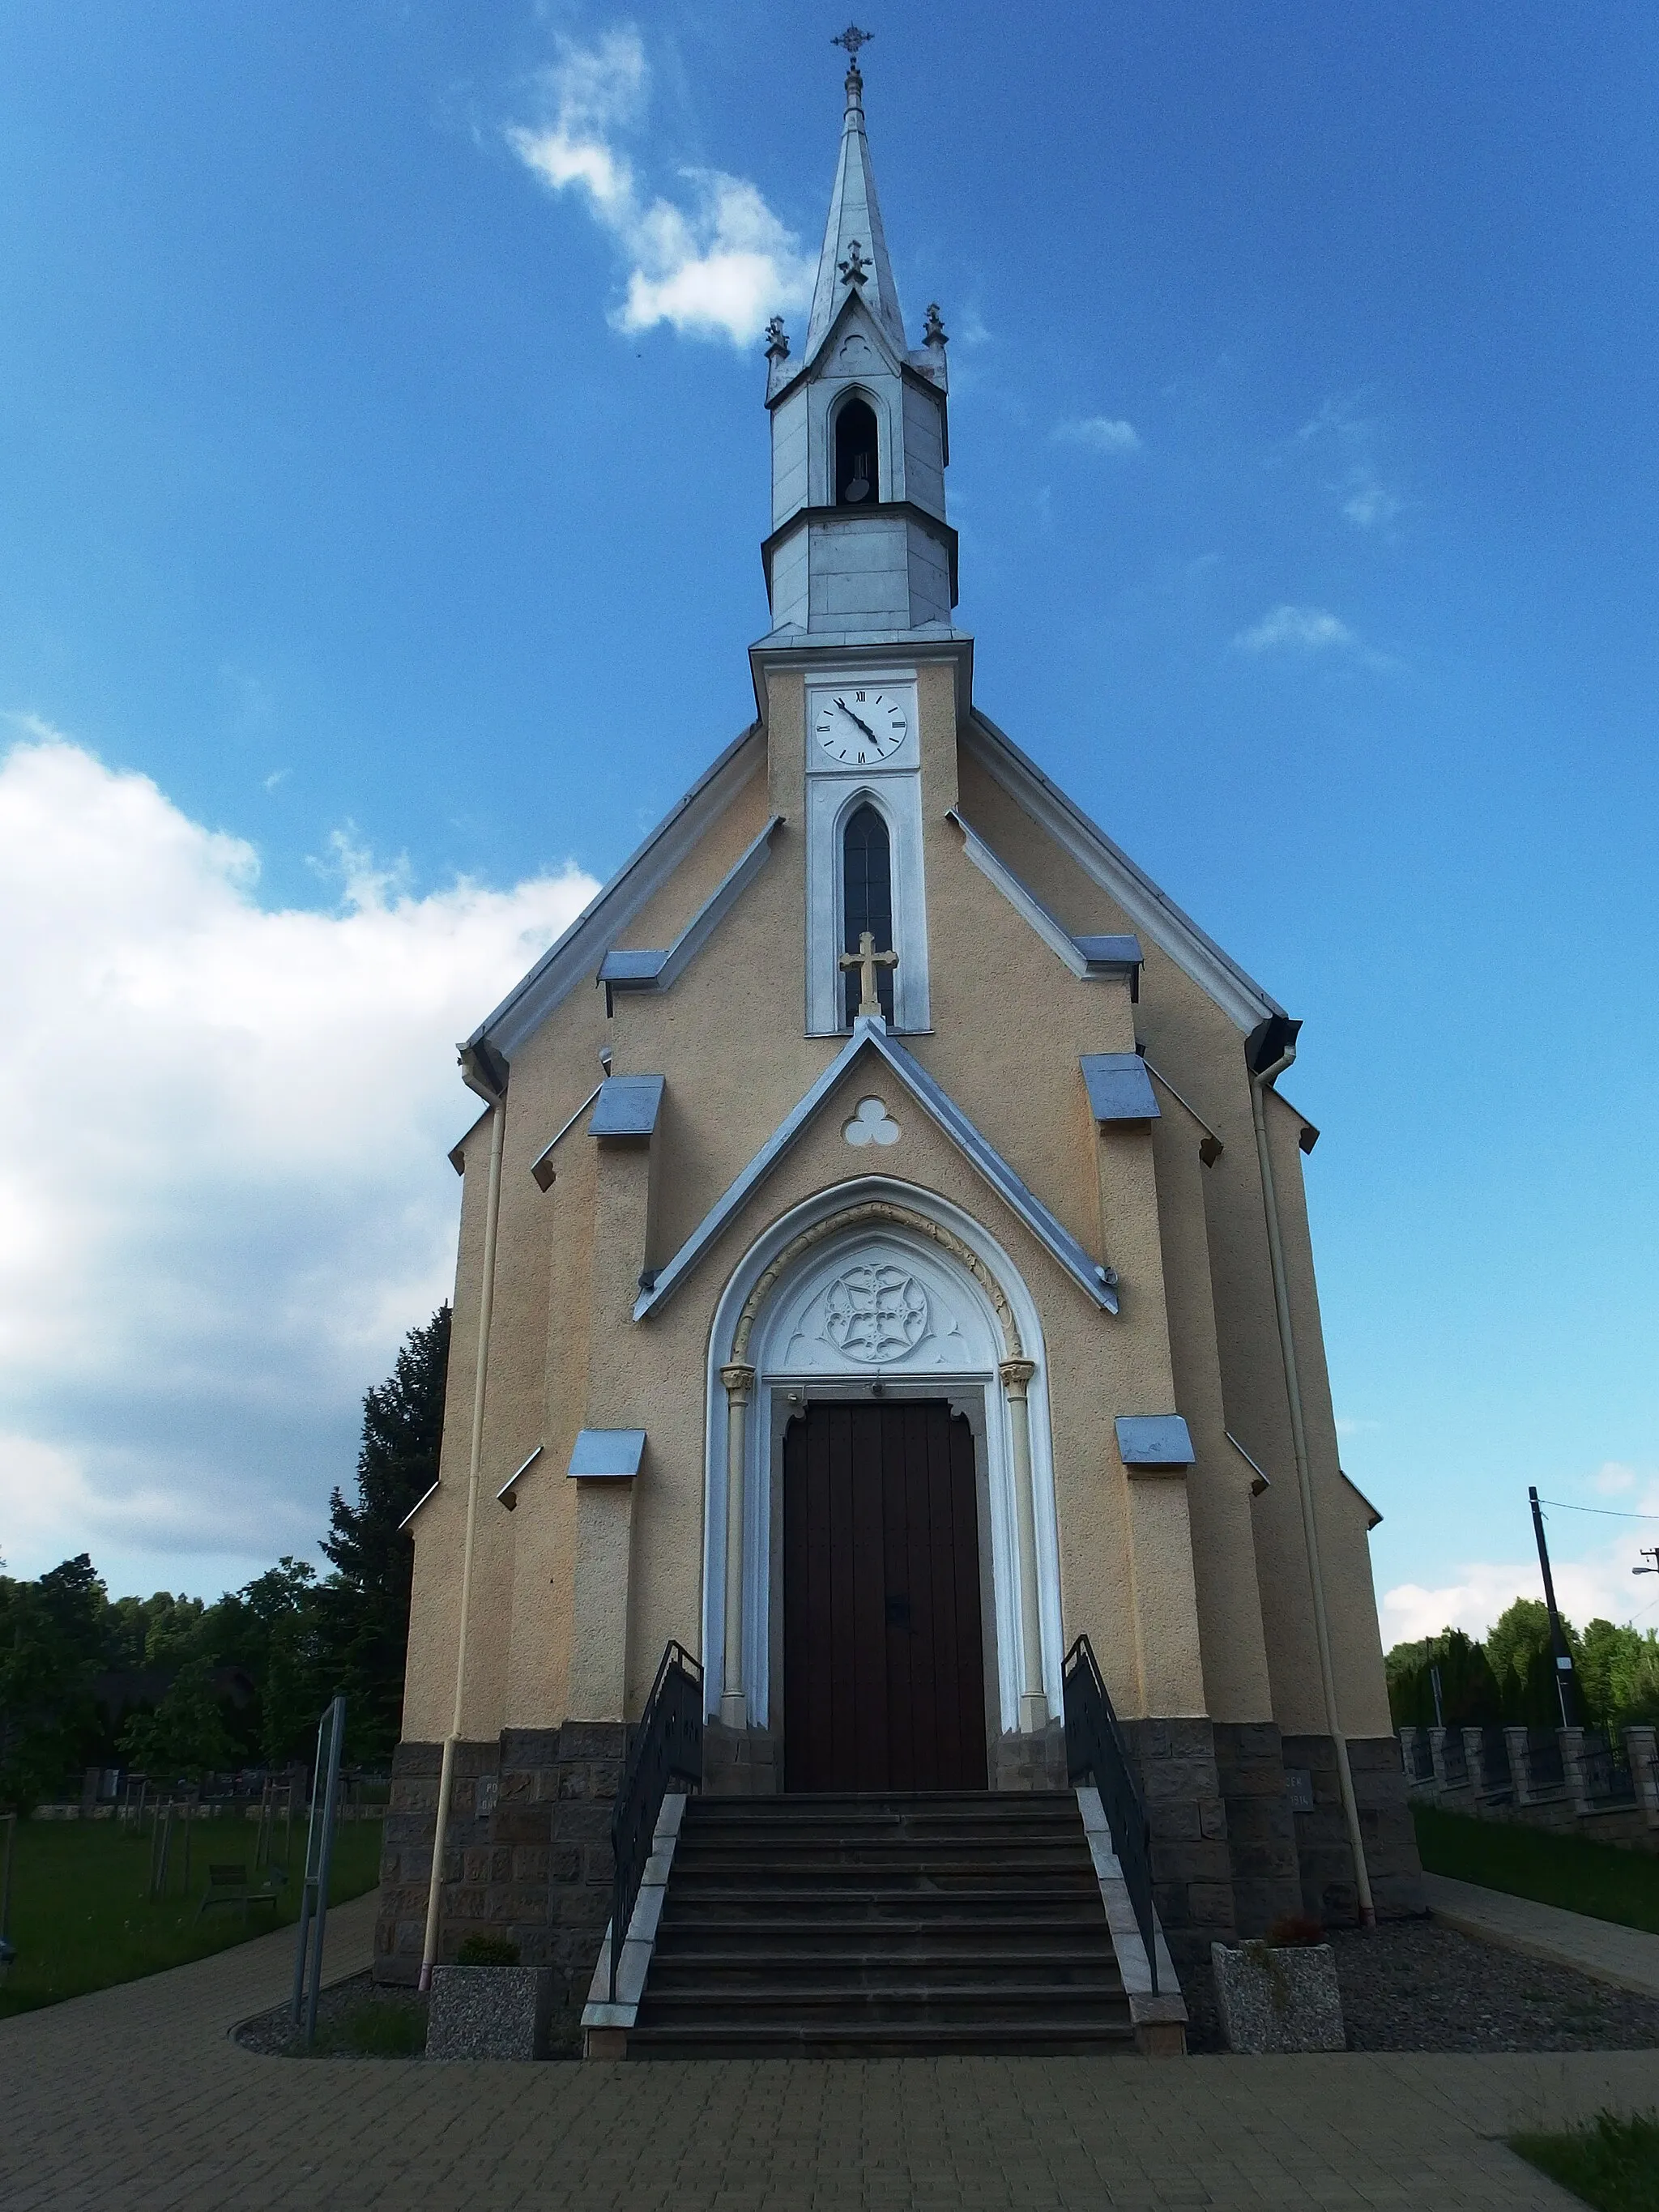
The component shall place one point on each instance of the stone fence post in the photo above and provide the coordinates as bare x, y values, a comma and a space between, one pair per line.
1571, 1741
1515, 1739
1482, 1784
1409, 1754
1450, 1775
1642, 1748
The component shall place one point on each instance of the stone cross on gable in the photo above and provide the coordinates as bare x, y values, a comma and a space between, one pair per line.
866, 960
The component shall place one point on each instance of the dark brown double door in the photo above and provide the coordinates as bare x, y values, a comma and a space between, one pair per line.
883, 1684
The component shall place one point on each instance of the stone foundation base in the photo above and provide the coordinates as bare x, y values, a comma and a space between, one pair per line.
1030, 1762
741, 1762
1329, 1889
527, 1854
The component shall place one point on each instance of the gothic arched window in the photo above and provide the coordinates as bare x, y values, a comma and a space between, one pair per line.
868, 902
856, 447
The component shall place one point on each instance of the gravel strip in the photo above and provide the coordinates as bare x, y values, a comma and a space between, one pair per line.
274, 2035
1411, 1986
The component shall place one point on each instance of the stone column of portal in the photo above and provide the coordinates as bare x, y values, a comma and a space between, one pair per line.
739, 1383
1033, 1698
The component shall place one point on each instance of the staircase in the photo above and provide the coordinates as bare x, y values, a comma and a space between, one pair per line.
852, 1927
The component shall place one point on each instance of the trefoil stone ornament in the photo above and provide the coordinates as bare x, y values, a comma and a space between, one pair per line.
870, 1125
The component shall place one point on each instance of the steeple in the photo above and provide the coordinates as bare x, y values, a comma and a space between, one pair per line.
860, 550
854, 253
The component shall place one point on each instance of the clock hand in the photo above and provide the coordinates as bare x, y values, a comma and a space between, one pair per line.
860, 720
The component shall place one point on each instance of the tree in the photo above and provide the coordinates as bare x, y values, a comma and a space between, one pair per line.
1469, 1695
185, 1736
50, 1647
364, 1604
1522, 1659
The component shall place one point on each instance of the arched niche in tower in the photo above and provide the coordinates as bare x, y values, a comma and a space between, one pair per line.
858, 445
868, 899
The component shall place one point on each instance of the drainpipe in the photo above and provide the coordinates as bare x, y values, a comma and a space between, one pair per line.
485, 1071
1274, 1045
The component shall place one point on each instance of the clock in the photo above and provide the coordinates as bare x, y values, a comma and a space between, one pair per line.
858, 727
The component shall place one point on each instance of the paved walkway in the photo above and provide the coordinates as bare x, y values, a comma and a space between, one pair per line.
136, 2097
1624, 1956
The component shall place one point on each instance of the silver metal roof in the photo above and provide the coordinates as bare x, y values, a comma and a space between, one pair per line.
1098, 1281
1120, 1089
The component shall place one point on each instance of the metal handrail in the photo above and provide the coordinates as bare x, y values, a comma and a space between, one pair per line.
667, 1748
1094, 1748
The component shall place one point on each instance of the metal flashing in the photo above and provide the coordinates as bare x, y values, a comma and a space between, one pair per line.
606, 1454
504, 1495
1154, 1440
457, 1154
628, 1106
415, 1508
1098, 1281
660, 970
567, 961
1086, 957
1120, 1089
1373, 1518
541, 1167
1153, 912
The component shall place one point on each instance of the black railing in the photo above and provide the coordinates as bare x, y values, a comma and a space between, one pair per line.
1544, 1769
1419, 1757
1453, 1761
1095, 1751
1495, 1779
667, 1748
1606, 1771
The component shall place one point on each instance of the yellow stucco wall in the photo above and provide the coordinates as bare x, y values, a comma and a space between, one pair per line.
1196, 1597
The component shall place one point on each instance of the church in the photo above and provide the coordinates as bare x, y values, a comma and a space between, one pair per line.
890, 1584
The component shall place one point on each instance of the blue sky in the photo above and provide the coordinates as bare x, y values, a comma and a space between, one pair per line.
392, 506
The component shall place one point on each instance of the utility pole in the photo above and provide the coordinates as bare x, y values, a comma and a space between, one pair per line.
1565, 1688
1648, 1552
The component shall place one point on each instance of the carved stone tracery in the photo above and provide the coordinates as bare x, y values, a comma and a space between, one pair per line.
886, 1211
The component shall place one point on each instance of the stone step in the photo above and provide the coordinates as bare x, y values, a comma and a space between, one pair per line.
1038, 2038
894, 2003
1077, 1937
777, 1965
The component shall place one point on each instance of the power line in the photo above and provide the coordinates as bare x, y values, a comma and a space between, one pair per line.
1607, 1512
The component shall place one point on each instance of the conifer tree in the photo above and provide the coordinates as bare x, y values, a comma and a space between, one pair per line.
366, 1597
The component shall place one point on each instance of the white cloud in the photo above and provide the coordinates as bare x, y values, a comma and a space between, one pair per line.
1101, 434
1592, 1581
1308, 629
714, 268
1369, 505
223, 1195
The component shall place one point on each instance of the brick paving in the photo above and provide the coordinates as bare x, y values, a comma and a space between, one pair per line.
136, 2097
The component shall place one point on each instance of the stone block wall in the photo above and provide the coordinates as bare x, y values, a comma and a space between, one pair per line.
1329, 1891
1260, 1826
1192, 1863
527, 1854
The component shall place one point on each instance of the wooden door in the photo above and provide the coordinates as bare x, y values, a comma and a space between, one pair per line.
883, 1659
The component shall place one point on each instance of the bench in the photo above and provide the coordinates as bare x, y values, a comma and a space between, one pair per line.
232, 1885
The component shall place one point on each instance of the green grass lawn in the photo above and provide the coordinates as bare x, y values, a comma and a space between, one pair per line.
1612, 2164
1598, 1879
82, 1917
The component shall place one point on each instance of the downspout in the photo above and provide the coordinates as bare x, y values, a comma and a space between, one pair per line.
485, 1071
1278, 1036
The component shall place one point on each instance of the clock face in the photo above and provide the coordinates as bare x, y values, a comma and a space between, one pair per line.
858, 727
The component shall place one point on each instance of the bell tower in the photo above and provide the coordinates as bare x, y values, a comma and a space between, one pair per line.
860, 551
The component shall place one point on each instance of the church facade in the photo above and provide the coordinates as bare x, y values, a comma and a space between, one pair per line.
884, 1261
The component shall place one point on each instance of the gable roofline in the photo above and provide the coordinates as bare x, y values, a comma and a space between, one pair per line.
1151, 909
903, 364
1098, 1281
567, 960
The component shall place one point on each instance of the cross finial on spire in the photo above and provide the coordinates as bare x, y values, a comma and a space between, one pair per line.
852, 37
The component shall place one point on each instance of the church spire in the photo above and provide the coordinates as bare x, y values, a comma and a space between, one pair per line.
854, 256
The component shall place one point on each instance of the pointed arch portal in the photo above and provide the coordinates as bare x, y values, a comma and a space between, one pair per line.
878, 1295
